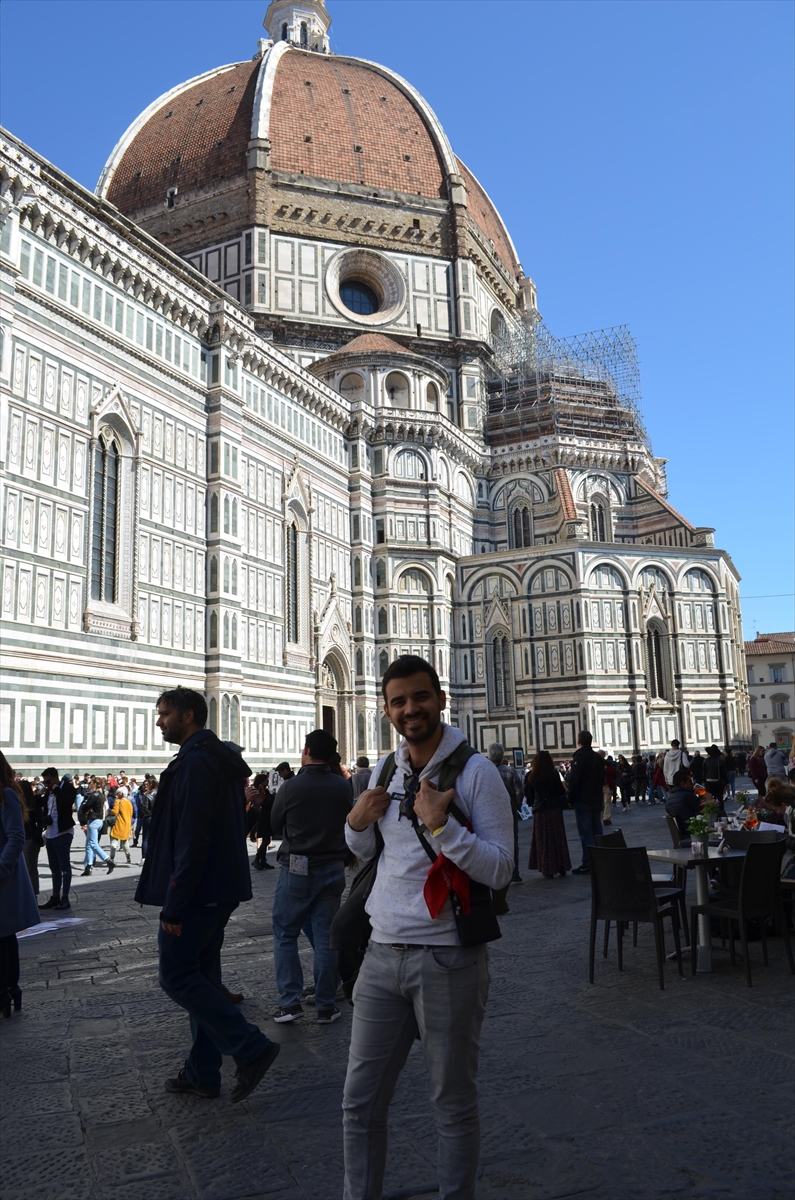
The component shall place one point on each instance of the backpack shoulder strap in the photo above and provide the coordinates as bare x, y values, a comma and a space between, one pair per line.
387, 771
454, 764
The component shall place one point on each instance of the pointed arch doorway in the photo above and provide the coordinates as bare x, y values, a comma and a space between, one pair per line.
332, 702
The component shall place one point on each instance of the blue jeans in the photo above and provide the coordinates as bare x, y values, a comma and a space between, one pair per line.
589, 826
146, 825
58, 851
93, 849
190, 973
732, 776
311, 899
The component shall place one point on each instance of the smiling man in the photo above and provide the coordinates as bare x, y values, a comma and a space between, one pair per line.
425, 973
196, 872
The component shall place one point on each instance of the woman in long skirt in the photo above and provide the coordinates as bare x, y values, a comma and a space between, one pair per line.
17, 902
544, 790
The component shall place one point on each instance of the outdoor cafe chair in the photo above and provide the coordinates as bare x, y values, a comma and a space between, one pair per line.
758, 897
668, 888
622, 891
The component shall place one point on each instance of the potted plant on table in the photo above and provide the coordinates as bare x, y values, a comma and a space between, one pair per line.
709, 808
698, 828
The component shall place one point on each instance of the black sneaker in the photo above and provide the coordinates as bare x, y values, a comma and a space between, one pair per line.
182, 1086
327, 1016
308, 994
581, 871
249, 1074
283, 1016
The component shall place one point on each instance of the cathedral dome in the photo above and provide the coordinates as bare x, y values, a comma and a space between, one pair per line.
305, 113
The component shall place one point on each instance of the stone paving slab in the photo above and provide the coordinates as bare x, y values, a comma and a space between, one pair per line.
617, 1091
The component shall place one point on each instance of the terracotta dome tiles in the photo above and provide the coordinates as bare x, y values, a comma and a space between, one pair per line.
340, 105
195, 138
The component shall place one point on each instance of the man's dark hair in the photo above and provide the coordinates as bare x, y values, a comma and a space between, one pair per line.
410, 664
585, 738
186, 700
321, 745
362, 761
283, 766
772, 746
48, 773
675, 742
681, 776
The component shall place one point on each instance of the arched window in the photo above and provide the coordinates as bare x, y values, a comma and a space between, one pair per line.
213, 514
234, 518
226, 631
213, 630
432, 396
397, 390
292, 583
214, 714
226, 574
304, 36
522, 526
284, 31
501, 667
225, 706
382, 621
383, 663
357, 571
409, 465
386, 733
357, 619
600, 524
359, 662
214, 574
226, 514
351, 386
361, 738
234, 632
234, 731
498, 329
104, 524
655, 658
234, 577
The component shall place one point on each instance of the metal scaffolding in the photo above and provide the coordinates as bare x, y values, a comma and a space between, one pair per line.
586, 386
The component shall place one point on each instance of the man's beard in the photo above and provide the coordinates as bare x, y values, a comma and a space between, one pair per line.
429, 731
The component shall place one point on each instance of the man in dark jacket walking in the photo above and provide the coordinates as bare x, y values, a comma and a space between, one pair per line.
585, 781
309, 815
196, 871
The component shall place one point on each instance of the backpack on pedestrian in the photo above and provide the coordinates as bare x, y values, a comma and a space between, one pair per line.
350, 928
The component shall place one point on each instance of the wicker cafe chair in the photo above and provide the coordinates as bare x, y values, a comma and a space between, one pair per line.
668, 888
758, 897
622, 891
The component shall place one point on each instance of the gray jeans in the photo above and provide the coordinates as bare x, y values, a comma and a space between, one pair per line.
438, 992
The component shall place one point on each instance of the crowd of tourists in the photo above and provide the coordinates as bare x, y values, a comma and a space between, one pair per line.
426, 844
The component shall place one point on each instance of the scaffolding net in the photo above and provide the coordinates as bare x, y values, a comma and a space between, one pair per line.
586, 386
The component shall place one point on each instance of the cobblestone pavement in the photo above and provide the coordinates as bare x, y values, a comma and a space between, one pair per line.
610, 1092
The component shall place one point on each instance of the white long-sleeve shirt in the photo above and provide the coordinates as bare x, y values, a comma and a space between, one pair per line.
396, 905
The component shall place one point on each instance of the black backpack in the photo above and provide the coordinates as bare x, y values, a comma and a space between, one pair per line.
350, 928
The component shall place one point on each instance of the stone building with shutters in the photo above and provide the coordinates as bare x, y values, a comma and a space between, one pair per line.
278, 405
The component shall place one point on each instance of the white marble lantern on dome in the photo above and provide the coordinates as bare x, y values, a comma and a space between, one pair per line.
304, 26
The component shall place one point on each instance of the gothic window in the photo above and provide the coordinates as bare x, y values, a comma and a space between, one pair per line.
600, 523
501, 676
522, 526
234, 577
357, 619
304, 36
214, 714
104, 525
213, 514
226, 575
386, 733
225, 707
234, 518
226, 631
359, 663
234, 731
213, 630
382, 621
380, 573
357, 571
410, 465
361, 740
284, 31
292, 583
227, 523
397, 390
383, 662
213, 574
655, 656
234, 632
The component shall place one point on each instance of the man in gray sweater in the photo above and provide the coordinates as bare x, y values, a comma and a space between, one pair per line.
417, 980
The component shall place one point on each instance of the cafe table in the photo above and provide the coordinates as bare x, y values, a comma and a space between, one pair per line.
685, 858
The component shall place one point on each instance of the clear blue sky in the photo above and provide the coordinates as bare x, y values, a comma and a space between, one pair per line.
640, 154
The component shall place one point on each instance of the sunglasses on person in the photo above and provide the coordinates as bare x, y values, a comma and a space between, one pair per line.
411, 787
